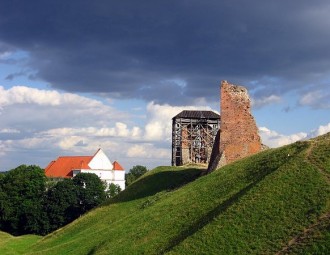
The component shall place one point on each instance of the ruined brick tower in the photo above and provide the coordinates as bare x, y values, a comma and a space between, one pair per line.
238, 135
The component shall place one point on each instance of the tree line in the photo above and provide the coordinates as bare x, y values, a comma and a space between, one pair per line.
32, 204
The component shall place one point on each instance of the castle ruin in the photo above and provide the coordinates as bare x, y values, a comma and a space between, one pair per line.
238, 134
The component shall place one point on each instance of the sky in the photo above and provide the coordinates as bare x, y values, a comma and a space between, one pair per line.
76, 76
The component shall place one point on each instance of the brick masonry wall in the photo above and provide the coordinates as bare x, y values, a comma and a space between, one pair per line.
239, 133
238, 136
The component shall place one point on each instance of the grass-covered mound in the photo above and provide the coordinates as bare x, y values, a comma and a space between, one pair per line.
10, 245
275, 201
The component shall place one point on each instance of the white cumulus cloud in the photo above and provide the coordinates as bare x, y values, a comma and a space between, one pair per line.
28, 95
274, 139
316, 99
321, 130
39, 125
259, 102
148, 150
9, 131
159, 120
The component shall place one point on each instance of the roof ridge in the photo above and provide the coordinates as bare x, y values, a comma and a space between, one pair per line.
99, 149
117, 165
198, 114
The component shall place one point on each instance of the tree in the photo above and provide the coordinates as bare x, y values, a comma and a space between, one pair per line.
90, 191
134, 173
21, 198
2, 175
28, 205
69, 198
5, 206
61, 204
113, 190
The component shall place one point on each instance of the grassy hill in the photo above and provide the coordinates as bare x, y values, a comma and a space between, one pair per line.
16, 245
276, 202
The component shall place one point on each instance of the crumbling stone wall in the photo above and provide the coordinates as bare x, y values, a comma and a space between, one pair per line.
238, 135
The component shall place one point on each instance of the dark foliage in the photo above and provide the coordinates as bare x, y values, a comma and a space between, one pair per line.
28, 206
113, 190
22, 193
61, 204
134, 173
90, 191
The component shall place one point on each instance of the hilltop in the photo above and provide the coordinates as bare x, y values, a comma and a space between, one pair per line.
275, 202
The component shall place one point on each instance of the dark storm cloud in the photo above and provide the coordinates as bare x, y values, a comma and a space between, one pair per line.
138, 49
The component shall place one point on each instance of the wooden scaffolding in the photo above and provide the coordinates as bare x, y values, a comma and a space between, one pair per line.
193, 134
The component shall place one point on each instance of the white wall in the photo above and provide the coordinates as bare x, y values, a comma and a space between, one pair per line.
120, 178
110, 176
119, 175
102, 167
102, 174
100, 161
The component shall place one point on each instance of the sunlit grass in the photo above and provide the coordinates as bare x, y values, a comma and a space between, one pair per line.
10, 245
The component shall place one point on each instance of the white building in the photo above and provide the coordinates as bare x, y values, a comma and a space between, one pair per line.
99, 164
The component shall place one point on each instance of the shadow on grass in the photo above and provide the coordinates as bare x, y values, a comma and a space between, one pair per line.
211, 215
154, 183
257, 168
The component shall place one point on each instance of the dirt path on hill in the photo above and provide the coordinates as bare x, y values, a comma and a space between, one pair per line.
308, 233
322, 222
312, 161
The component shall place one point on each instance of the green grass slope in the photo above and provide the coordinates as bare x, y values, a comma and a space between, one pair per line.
275, 202
10, 245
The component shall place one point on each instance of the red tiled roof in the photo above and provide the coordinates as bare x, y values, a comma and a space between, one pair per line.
63, 166
117, 166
